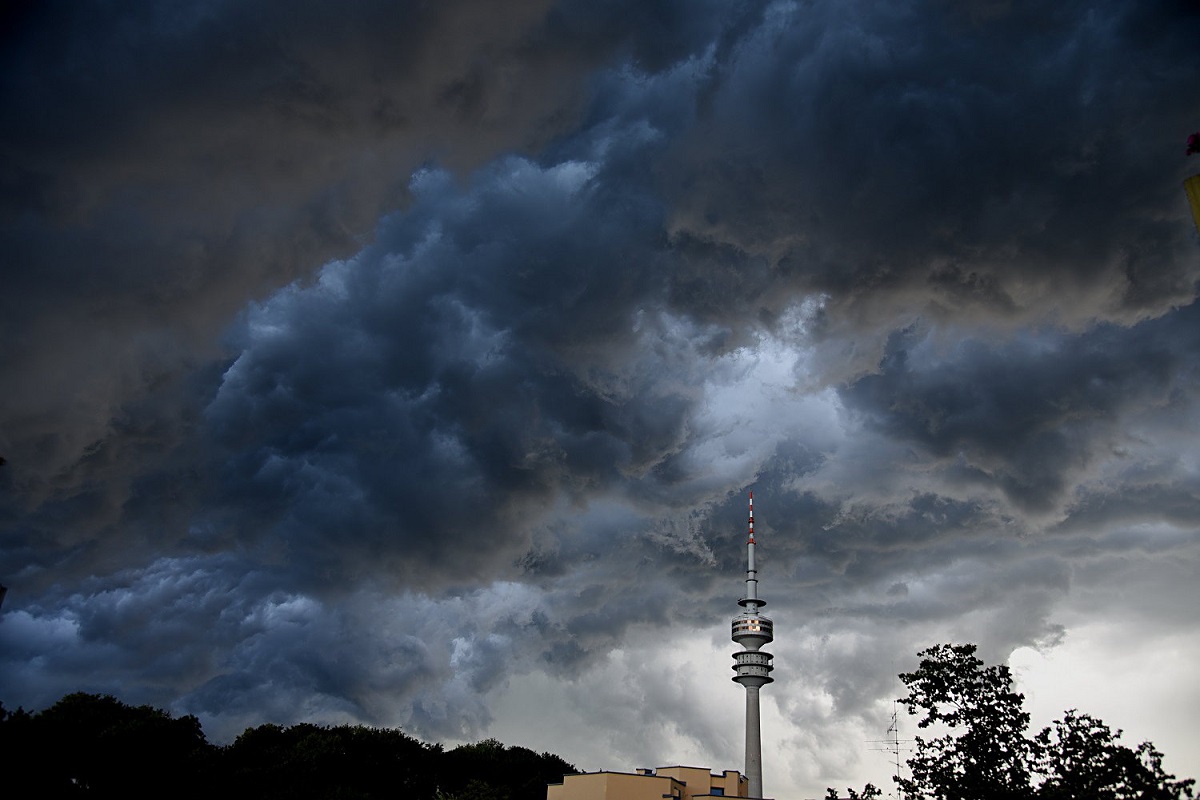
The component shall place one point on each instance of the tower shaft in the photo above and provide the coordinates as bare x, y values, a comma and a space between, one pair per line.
753, 744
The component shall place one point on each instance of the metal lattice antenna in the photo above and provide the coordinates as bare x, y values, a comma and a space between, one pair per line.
894, 746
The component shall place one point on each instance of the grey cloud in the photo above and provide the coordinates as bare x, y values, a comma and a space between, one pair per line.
164, 165
233, 643
461, 369
1032, 414
913, 161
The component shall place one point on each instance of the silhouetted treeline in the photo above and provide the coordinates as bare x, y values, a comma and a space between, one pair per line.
92, 746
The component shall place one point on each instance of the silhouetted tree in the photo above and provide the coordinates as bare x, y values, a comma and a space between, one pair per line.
986, 754
488, 770
18, 749
347, 761
1080, 757
869, 792
95, 746
92, 746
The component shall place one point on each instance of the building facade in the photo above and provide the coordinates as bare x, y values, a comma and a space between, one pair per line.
672, 783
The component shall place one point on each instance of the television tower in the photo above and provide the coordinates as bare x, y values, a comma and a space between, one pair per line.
753, 668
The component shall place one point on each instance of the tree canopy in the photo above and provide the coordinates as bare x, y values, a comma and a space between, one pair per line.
88, 745
985, 753
95, 746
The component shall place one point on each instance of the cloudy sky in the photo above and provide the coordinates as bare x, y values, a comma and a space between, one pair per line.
409, 364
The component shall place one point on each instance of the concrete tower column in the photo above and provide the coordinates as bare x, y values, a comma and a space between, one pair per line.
753, 744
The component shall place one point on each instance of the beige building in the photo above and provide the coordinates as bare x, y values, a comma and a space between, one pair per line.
670, 783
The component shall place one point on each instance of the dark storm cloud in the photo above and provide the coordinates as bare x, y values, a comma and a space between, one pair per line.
162, 165
1031, 414
197, 158
918, 159
266, 651
465, 368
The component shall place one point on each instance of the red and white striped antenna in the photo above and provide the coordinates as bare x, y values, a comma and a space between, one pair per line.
750, 538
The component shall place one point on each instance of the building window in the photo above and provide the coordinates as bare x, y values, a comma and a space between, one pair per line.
718, 791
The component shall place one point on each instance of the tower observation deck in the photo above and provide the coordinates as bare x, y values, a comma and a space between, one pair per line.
752, 667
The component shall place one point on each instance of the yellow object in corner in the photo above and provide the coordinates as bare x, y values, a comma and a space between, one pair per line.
1192, 185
